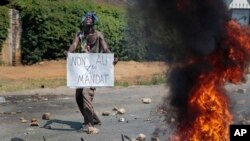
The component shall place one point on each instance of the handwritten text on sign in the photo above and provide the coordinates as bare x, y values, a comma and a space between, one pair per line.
90, 70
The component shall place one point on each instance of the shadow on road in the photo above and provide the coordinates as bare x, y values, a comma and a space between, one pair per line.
72, 124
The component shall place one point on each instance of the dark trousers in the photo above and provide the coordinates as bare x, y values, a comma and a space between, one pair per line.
84, 100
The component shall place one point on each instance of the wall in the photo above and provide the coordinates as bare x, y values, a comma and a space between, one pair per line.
10, 54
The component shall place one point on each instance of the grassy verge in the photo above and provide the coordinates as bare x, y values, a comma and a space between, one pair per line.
7, 85
27, 84
153, 80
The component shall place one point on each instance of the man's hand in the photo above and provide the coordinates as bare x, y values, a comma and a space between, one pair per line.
66, 53
115, 60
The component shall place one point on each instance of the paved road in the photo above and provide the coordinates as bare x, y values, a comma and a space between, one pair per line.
66, 120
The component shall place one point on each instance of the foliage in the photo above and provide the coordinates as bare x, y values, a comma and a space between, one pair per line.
136, 39
149, 38
49, 26
4, 24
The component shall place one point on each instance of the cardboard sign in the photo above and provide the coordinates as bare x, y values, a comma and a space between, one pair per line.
90, 70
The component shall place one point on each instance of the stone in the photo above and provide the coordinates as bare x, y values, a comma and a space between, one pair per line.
147, 119
172, 119
240, 90
45, 99
46, 116
121, 111
106, 113
141, 137
35, 123
23, 121
155, 139
121, 119
241, 102
146, 100
115, 109
12, 113
34, 120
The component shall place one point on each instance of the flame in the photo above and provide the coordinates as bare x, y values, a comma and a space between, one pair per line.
208, 116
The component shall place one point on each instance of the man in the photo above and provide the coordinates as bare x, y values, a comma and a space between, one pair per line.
92, 41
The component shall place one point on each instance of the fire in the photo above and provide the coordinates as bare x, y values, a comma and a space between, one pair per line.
208, 116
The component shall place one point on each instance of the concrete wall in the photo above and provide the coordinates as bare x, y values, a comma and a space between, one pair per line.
11, 53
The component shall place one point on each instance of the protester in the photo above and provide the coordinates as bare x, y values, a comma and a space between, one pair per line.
92, 41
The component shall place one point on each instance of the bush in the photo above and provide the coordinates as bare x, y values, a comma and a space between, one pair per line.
49, 26
4, 24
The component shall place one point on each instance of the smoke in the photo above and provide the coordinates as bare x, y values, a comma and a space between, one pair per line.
184, 30
200, 28
200, 23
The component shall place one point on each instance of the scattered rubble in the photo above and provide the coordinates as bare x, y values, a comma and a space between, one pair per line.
141, 137
121, 119
241, 102
23, 120
106, 113
45, 99
147, 119
146, 100
241, 91
115, 109
13, 113
155, 139
34, 122
46, 116
172, 119
121, 111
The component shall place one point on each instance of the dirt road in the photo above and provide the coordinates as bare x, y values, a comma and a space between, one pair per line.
126, 71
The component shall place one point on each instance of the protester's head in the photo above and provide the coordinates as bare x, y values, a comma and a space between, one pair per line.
89, 19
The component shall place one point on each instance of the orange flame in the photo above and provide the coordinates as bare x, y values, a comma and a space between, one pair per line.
208, 106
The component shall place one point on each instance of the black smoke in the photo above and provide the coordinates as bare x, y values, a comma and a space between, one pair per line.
182, 29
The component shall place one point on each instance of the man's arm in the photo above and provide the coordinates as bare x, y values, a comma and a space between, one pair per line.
74, 44
103, 43
105, 48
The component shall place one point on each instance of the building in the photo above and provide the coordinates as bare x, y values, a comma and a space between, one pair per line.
240, 11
